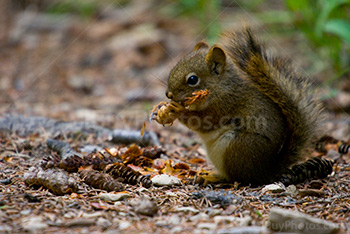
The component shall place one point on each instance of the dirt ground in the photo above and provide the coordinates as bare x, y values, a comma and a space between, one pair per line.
106, 72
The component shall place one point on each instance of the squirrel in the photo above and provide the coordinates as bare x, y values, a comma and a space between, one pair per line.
257, 115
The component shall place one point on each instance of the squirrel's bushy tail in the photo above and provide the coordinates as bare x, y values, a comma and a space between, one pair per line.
284, 86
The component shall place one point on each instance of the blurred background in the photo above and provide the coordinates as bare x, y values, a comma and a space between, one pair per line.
107, 61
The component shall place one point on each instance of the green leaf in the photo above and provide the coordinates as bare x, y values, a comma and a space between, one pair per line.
339, 27
327, 8
296, 5
258, 213
275, 16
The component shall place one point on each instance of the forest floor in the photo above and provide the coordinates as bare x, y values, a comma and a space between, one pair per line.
82, 78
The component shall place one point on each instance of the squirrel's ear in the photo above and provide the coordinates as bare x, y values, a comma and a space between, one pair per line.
201, 45
216, 59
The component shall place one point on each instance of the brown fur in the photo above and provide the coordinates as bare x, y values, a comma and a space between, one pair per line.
259, 115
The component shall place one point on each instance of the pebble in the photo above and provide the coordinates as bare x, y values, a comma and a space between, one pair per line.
210, 226
118, 203
114, 196
292, 191
80, 222
214, 212
69, 215
230, 209
283, 220
103, 222
247, 230
165, 180
333, 154
25, 212
187, 210
274, 188
90, 148
161, 223
5, 229
244, 221
174, 220
224, 219
199, 217
33, 223
171, 194
124, 225
176, 230
92, 215
144, 206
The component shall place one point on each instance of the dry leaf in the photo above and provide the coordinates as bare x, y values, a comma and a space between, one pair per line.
143, 128
196, 160
131, 154
198, 96
168, 169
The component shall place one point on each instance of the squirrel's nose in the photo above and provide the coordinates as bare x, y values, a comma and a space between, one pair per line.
169, 94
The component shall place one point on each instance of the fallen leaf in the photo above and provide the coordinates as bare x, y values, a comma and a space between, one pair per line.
143, 128
198, 96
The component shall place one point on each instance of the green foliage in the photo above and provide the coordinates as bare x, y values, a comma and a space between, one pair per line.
84, 8
206, 11
258, 213
326, 24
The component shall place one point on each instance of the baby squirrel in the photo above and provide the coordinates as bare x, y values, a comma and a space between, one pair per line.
257, 117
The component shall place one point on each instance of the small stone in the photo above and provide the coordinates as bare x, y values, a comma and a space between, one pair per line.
80, 222
118, 203
176, 230
174, 220
247, 230
230, 209
144, 206
114, 196
214, 212
143, 189
92, 215
34, 223
209, 226
69, 215
124, 225
333, 154
90, 148
224, 219
274, 188
187, 210
171, 194
103, 222
245, 221
25, 212
199, 217
292, 191
282, 220
165, 180
5, 228
161, 223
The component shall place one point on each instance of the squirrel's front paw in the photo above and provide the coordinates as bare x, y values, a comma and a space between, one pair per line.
166, 113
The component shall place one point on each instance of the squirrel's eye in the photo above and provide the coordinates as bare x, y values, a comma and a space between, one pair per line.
192, 80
